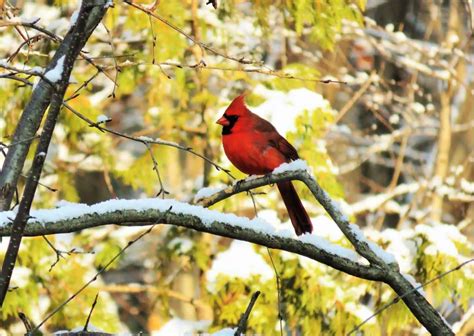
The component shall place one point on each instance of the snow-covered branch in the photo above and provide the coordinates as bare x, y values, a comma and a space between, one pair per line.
350, 231
382, 266
76, 217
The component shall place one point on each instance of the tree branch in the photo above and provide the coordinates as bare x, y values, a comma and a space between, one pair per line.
63, 62
150, 211
332, 208
135, 213
242, 326
23, 214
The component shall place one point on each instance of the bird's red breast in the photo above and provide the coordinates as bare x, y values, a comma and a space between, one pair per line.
250, 142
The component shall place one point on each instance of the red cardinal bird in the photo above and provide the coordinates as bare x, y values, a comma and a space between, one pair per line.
255, 147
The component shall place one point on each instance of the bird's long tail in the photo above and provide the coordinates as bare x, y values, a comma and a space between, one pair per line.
298, 215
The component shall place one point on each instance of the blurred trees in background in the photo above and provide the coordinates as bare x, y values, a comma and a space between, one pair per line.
394, 143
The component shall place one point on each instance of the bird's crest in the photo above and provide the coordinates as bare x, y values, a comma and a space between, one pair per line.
237, 107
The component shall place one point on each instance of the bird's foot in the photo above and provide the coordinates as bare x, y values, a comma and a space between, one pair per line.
268, 175
238, 183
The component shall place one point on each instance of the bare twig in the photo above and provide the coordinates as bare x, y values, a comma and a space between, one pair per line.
443, 145
137, 288
90, 313
242, 326
28, 42
117, 68
277, 275
11, 76
18, 142
57, 38
201, 65
162, 192
59, 253
26, 322
41, 184
27, 72
350, 103
278, 284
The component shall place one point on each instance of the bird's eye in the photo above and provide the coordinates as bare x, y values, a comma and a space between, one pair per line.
231, 118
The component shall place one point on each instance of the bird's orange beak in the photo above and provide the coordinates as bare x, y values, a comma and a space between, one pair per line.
223, 121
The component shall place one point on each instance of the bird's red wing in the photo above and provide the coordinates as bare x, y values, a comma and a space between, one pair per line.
261, 125
275, 139
284, 147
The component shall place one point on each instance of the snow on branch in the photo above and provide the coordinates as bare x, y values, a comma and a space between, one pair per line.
76, 217
297, 170
382, 266
55, 74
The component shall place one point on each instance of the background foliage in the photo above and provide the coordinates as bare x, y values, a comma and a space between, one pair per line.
154, 82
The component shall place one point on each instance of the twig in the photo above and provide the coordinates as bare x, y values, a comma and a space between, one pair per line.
59, 253
354, 98
136, 288
442, 162
16, 28
27, 72
108, 181
90, 312
153, 40
117, 68
162, 190
242, 326
41, 184
33, 39
26, 322
398, 164
201, 65
82, 86
18, 79
59, 39
399, 297
277, 277
18, 142
150, 141
241, 60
